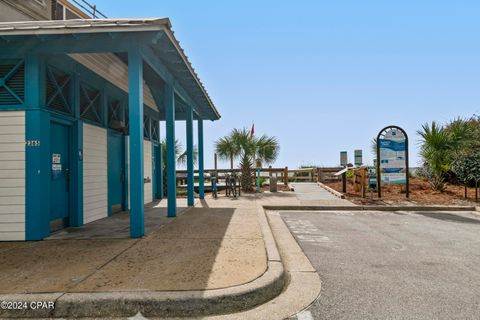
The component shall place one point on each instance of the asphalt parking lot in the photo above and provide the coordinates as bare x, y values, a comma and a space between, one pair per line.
391, 265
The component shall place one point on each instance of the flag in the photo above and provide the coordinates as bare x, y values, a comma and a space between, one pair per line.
252, 132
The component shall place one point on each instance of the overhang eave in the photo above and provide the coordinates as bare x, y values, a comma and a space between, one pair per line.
154, 36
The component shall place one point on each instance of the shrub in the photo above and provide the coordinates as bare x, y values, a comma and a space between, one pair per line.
436, 181
466, 166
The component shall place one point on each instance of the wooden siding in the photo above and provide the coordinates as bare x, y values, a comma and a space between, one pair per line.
95, 181
111, 68
147, 171
12, 175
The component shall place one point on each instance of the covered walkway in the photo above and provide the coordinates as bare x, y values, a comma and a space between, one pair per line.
85, 99
118, 225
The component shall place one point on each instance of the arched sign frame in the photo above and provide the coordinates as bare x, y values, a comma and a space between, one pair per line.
379, 178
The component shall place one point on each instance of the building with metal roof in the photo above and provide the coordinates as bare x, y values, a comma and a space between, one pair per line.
81, 102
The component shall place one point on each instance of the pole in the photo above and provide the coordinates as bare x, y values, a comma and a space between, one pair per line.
344, 182
364, 176
406, 162
190, 170
379, 179
476, 190
258, 180
169, 100
135, 102
201, 167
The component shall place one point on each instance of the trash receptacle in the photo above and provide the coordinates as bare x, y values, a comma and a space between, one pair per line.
273, 184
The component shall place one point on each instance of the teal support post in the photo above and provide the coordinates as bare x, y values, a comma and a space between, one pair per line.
190, 173
77, 174
37, 153
171, 161
160, 173
37, 175
126, 202
154, 170
135, 103
201, 174
77, 160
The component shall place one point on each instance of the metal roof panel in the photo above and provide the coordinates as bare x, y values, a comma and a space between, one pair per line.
106, 25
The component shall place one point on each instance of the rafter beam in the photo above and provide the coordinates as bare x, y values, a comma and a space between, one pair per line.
154, 62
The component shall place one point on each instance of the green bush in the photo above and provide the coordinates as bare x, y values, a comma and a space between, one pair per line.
466, 167
441, 146
350, 174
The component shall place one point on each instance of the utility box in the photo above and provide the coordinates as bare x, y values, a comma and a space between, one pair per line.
273, 184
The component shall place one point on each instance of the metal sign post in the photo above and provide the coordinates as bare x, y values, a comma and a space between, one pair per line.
344, 163
259, 166
372, 181
392, 158
344, 182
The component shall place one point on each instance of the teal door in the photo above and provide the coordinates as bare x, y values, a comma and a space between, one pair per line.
60, 172
116, 171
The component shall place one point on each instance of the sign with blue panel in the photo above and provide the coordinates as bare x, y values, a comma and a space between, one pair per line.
392, 157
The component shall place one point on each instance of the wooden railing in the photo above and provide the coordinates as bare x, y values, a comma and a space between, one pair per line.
324, 174
282, 174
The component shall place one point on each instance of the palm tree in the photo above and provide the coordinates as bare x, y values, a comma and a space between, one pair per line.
180, 155
435, 151
266, 149
243, 140
182, 158
226, 149
241, 144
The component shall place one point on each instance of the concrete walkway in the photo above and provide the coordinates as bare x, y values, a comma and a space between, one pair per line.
215, 246
218, 257
117, 226
311, 194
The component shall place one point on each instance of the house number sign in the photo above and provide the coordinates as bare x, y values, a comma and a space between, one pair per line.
33, 143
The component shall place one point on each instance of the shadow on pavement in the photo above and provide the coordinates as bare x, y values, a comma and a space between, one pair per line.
449, 217
204, 248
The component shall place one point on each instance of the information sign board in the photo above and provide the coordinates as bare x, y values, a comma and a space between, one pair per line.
393, 157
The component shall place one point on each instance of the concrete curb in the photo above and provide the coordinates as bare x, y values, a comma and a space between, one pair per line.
332, 191
304, 283
371, 208
477, 212
163, 303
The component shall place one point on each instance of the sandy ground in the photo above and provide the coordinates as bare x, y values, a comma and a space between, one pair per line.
420, 193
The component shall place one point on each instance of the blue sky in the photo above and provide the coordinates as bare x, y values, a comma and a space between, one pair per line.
326, 76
